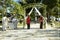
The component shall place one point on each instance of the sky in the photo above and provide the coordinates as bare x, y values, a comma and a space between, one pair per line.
16, 0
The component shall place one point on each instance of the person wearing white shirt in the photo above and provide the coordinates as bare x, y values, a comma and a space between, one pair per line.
4, 23
15, 22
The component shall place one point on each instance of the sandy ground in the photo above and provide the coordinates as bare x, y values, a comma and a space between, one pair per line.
31, 34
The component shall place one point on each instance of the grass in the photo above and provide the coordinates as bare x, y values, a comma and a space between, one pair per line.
20, 25
57, 24
0, 23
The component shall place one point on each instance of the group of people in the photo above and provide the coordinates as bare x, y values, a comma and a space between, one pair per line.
9, 22
40, 19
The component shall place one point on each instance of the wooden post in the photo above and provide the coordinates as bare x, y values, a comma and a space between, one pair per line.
24, 19
45, 18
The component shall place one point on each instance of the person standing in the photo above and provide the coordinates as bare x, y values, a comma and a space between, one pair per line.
41, 22
28, 22
4, 23
15, 22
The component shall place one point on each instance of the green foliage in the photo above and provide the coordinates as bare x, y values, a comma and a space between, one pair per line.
33, 1
18, 8
14, 7
50, 3
0, 17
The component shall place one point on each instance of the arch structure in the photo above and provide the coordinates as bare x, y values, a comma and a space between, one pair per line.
33, 6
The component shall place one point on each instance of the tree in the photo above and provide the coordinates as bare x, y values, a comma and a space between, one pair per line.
50, 3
